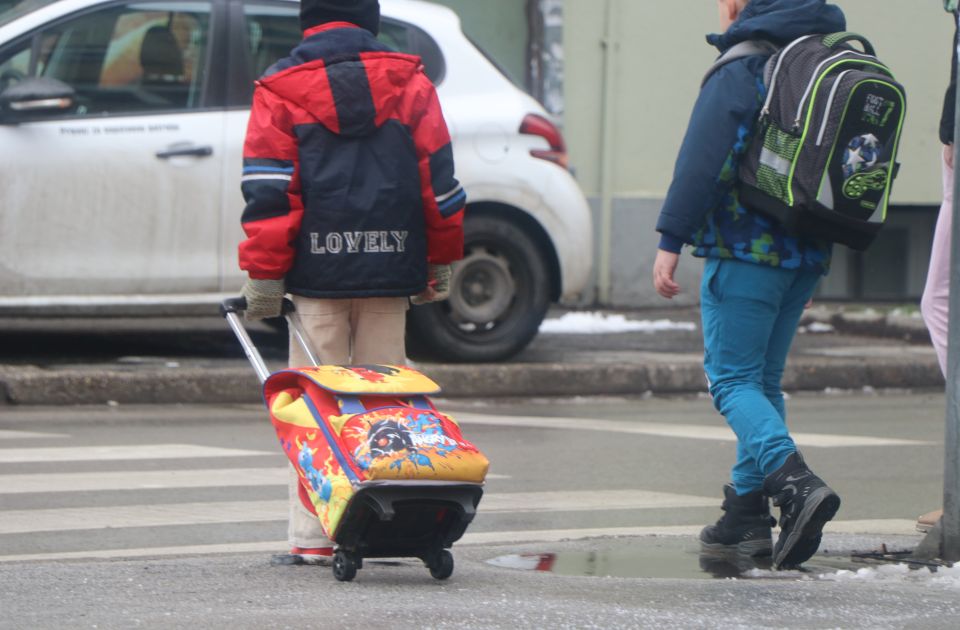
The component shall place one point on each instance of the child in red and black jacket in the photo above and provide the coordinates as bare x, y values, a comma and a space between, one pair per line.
352, 206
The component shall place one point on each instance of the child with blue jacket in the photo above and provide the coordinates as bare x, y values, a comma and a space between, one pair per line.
757, 279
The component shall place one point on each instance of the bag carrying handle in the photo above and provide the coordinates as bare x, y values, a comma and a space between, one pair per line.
836, 40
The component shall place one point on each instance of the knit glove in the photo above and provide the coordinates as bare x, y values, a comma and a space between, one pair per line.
438, 285
264, 298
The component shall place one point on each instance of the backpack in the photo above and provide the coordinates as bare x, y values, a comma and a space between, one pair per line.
823, 155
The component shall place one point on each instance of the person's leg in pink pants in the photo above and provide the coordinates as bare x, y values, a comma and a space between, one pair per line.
935, 303
934, 306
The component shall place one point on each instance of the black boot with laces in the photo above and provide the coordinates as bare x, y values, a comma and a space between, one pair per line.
744, 528
806, 504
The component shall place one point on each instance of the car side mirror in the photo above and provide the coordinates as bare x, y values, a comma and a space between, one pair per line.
33, 97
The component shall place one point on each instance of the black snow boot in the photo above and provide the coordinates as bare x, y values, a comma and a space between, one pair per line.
806, 504
744, 528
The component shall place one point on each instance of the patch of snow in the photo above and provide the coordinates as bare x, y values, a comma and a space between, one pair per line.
818, 328
943, 576
591, 323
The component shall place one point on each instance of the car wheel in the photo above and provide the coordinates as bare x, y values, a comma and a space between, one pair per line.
499, 294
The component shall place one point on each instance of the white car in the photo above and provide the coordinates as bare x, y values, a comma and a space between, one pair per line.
121, 132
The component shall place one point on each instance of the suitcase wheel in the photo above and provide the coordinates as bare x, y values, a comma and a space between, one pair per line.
345, 565
441, 567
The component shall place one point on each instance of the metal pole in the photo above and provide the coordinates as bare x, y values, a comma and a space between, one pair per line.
259, 366
950, 532
606, 156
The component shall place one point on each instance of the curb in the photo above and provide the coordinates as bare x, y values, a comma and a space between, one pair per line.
870, 323
32, 385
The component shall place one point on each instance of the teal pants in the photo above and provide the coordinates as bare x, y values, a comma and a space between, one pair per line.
750, 316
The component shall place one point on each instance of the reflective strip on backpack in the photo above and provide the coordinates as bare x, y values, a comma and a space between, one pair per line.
779, 164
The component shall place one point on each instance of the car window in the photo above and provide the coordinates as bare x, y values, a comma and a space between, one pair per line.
408, 38
125, 58
274, 30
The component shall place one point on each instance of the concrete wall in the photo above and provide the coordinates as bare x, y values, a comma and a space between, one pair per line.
658, 56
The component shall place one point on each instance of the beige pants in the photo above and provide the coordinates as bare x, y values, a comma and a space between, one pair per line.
342, 332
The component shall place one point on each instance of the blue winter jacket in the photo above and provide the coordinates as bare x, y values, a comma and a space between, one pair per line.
702, 206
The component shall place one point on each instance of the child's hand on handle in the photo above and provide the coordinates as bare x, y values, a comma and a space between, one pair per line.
264, 299
438, 285
664, 267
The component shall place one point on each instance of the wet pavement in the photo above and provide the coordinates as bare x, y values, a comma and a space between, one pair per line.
680, 557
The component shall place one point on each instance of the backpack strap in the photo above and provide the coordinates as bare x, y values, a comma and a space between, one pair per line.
747, 48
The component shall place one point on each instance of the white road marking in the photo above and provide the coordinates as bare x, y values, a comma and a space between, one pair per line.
21, 435
119, 453
685, 431
147, 480
886, 527
142, 480
160, 515
589, 500
152, 515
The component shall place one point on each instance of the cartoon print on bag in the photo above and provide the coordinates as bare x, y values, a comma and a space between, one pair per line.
388, 437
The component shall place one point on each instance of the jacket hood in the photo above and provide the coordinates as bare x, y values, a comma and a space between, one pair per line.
781, 21
348, 92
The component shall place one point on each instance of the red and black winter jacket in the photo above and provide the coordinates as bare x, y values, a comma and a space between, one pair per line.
348, 171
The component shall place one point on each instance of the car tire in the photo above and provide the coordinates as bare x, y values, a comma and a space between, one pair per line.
499, 295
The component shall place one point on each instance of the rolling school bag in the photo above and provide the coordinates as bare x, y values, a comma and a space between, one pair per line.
386, 473
823, 156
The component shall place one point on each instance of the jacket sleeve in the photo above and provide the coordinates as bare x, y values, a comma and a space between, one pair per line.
727, 106
271, 189
443, 197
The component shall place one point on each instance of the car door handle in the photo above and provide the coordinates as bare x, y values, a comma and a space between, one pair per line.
188, 150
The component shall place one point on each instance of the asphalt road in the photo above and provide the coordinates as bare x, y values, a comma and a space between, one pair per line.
166, 516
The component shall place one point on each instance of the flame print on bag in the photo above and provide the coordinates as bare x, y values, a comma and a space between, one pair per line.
328, 489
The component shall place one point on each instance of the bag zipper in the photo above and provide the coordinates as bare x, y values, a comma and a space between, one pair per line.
830, 100
776, 72
816, 77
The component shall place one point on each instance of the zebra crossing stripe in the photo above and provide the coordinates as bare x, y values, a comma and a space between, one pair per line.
134, 452
207, 513
148, 480
27, 435
718, 433
141, 480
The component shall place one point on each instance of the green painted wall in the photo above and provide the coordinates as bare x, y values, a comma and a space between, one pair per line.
500, 28
658, 61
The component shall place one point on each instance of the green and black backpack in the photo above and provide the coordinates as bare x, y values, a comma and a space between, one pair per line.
823, 156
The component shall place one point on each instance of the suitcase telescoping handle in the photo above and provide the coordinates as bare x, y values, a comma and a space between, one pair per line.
233, 308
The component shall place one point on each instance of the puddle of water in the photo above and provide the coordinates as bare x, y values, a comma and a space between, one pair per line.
665, 558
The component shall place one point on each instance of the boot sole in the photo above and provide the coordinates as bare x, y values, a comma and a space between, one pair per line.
751, 549
819, 509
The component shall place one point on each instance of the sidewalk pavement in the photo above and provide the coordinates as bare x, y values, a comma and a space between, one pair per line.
841, 347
